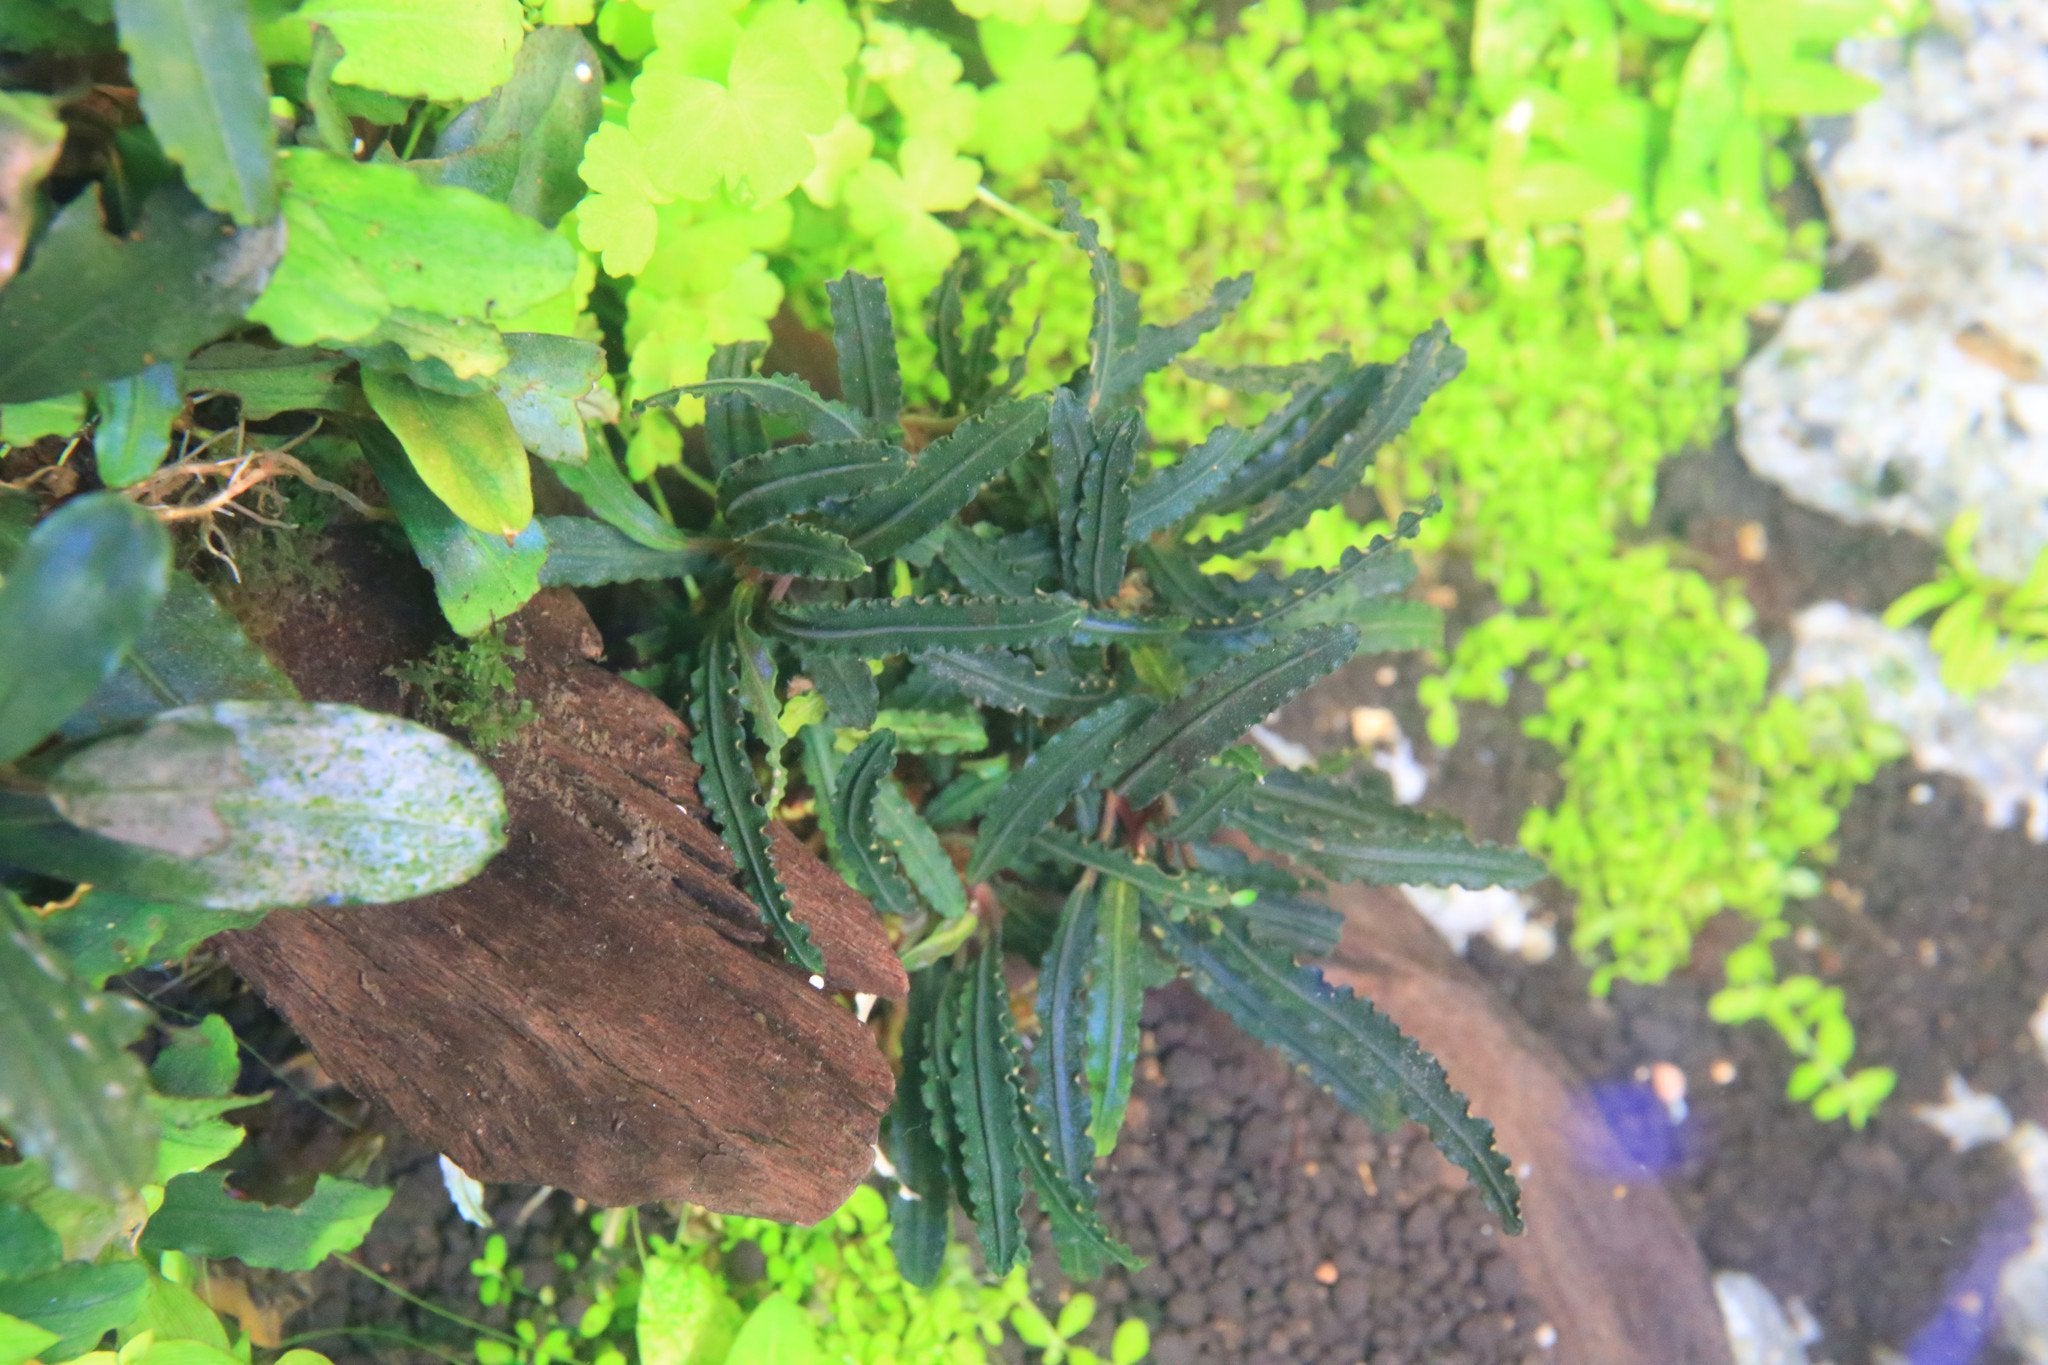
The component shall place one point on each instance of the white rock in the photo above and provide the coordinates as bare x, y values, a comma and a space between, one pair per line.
1759, 1331
1966, 1117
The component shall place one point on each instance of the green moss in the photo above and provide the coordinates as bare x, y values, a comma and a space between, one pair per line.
469, 686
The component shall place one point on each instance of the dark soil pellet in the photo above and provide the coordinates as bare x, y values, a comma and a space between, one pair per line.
1240, 1184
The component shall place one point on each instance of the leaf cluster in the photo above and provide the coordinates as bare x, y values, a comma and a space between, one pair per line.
1982, 625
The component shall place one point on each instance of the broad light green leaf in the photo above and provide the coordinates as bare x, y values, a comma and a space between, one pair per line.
479, 579
22, 1341
778, 1332
733, 794
254, 805
582, 553
921, 1212
777, 484
864, 335
544, 387
685, 1316
200, 1217
78, 1303
366, 239
447, 50
1348, 1047
910, 625
1221, 706
108, 933
207, 99
1120, 970
136, 414
70, 1093
1034, 793
93, 307
989, 1124
463, 449
191, 651
521, 144
82, 591
944, 478
604, 488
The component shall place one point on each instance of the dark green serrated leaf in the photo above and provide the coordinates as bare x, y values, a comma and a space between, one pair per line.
985, 1082
1391, 404
799, 551
853, 813
83, 590
201, 1217
136, 414
1070, 437
1265, 609
1101, 530
479, 579
1348, 1047
1035, 793
1173, 889
1119, 971
521, 144
609, 495
268, 380
784, 394
582, 553
191, 651
1202, 799
777, 484
1014, 682
988, 566
1084, 1246
864, 336
967, 362
938, 1075
1181, 586
1221, 706
1099, 626
943, 478
1157, 347
733, 795
732, 424
1060, 1057
917, 847
92, 307
70, 1093
912, 625
1177, 492
851, 698
1294, 924
1299, 434
921, 1213
204, 92
1268, 378
1353, 837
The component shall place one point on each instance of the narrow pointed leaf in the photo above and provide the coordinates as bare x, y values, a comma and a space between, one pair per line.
82, 591
921, 1213
1070, 435
1177, 492
1084, 1246
800, 552
944, 478
783, 394
777, 484
1114, 329
864, 335
1034, 793
1202, 799
1293, 439
918, 850
851, 698
1221, 707
860, 843
967, 362
1348, 1047
1182, 587
1157, 347
991, 566
70, 1092
732, 424
1014, 682
986, 1112
733, 794
1266, 610
1268, 378
201, 79
1101, 542
1119, 970
1060, 1056
1099, 626
604, 488
911, 625
1352, 838
584, 553
938, 1075
1179, 891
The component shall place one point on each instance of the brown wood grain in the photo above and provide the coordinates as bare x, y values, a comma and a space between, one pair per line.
599, 1009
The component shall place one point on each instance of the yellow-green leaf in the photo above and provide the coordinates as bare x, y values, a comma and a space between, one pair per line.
464, 449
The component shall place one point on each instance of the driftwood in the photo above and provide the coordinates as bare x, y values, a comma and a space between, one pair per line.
600, 1009
1605, 1252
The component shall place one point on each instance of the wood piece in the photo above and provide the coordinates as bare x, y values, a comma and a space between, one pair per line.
599, 1009
1619, 1274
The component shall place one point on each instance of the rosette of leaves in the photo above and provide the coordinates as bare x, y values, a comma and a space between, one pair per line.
1020, 699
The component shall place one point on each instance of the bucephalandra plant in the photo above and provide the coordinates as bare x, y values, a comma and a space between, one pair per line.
1020, 701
